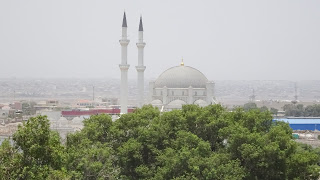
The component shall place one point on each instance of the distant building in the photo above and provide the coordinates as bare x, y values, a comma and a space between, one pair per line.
301, 123
52, 102
78, 113
84, 103
46, 105
17, 106
6, 108
4, 114
110, 101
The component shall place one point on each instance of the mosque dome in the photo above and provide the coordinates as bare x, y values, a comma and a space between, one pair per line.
181, 77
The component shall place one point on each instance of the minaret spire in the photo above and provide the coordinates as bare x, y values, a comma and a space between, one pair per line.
140, 24
124, 67
140, 68
124, 21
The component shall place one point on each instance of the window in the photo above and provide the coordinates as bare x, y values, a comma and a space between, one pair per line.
182, 93
172, 92
195, 93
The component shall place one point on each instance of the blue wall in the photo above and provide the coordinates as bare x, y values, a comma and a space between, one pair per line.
305, 126
302, 124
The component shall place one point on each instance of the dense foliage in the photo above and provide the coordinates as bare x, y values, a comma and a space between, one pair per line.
253, 106
299, 110
192, 143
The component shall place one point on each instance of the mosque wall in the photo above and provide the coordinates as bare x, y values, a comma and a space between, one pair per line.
187, 95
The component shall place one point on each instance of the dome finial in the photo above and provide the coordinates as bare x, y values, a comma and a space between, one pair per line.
182, 63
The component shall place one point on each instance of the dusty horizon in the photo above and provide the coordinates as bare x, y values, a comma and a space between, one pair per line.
234, 40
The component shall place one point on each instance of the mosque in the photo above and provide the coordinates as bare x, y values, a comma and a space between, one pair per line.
175, 87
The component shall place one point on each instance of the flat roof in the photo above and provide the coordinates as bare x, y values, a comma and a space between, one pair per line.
300, 121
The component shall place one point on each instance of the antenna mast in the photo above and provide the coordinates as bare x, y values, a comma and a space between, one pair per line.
295, 101
253, 96
295, 92
93, 93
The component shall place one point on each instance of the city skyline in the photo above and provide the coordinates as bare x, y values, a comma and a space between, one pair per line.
247, 40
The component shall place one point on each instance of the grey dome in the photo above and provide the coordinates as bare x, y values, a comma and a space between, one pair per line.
181, 77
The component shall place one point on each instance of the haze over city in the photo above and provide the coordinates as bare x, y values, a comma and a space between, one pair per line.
176, 89
226, 40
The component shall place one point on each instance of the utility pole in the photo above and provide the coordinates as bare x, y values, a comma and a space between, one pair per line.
295, 101
295, 92
253, 96
93, 93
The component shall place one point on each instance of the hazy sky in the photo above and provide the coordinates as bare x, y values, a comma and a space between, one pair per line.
225, 39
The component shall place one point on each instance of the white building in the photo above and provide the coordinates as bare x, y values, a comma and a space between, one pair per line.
175, 87
181, 85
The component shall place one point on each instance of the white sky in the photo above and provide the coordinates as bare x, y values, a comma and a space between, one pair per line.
226, 40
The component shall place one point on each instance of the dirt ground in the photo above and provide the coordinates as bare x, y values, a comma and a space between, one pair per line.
308, 137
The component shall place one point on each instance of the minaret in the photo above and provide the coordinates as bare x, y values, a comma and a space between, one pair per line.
124, 67
140, 68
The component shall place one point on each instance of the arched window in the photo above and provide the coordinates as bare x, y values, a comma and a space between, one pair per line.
172, 92
161, 93
195, 93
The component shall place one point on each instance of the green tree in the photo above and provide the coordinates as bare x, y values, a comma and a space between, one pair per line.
264, 108
37, 152
265, 149
190, 157
274, 111
28, 108
312, 111
250, 106
89, 152
9, 161
294, 110
191, 143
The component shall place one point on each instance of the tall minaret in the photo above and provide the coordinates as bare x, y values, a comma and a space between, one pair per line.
140, 68
124, 67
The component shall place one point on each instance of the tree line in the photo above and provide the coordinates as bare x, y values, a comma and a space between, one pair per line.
295, 110
191, 143
300, 110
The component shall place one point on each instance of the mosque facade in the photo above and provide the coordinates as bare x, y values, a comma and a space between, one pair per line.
181, 85
175, 87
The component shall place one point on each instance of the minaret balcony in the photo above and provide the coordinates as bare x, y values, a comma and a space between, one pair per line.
124, 42
124, 66
141, 44
141, 68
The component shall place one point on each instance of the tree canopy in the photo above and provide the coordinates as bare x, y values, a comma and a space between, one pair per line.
299, 110
191, 143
